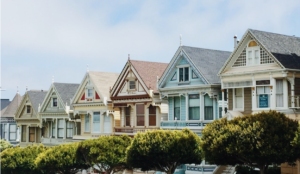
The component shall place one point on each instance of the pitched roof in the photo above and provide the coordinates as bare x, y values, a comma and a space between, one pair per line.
4, 103
207, 61
286, 49
36, 97
10, 110
66, 91
103, 81
148, 71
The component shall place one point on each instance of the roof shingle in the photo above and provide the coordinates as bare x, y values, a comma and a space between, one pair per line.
36, 97
66, 91
12, 107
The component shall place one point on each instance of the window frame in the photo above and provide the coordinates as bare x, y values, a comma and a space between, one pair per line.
184, 69
234, 100
60, 128
176, 107
257, 97
12, 132
31, 134
54, 102
252, 49
129, 84
152, 115
137, 115
87, 119
97, 122
199, 99
279, 94
68, 129
4, 129
23, 133
212, 106
88, 93
28, 108
127, 116
53, 129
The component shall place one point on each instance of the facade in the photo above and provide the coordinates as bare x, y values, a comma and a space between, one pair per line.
92, 108
136, 96
263, 73
192, 89
57, 128
28, 117
8, 127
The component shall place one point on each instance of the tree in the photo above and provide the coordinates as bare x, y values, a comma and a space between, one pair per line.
60, 159
164, 150
4, 145
21, 160
257, 140
105, 154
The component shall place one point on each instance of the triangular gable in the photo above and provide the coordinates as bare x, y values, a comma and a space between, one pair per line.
180, 59
47, 105
22, 109
124, 86
238, 57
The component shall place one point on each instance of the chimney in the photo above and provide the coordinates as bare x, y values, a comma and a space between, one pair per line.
235, 40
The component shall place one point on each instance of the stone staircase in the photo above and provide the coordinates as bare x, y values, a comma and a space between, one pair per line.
225, 170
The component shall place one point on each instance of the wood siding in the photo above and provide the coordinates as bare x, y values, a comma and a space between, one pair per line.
230, 99
247, 101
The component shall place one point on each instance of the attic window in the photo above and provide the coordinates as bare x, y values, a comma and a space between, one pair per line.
174, 77
131, 84
194, 76
28, 109
90, 93
54, 102
184, 74
252, 44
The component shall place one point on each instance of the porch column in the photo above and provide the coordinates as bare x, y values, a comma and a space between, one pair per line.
122, 116
132, 116
201, 106
293, 91
223, 103
146, 121
272, 92
186, 107
51, 125
158, 118
65, 129
56, 132
27, 134
285, 94
254, 106
21, 133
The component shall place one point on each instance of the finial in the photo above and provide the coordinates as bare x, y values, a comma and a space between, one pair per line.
18, 89
180, 40
52, 79
87, 67
26, 88
128, 56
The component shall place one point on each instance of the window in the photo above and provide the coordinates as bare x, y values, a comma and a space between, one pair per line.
208, 108
60, 128
86, 123
194, 75
53, 129
184, 74
279, 93
239, 103
23, 138
32, 134
90, 93
263, 96
140, 114
220, 112
127, 116
249, 58
96, 122
176, 108
69, 129
225, 95
152, 115
12, 132
54, 100
174, 77
131, 84
253, 54
28, 109
194, 107
107, 124
4, 130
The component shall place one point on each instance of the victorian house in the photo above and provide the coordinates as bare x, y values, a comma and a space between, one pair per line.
28, 118
92, 110
57, 128
136, 96
8, 127
192, 89
263, 73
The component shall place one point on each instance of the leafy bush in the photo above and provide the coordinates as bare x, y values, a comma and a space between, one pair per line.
5, 145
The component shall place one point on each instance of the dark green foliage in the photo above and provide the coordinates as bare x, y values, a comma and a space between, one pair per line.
107, 153
257, 140
164, 150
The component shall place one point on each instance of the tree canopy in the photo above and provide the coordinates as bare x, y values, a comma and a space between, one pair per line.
164, 150
105, 154
4, 145
20, 160
257, 140
60, 159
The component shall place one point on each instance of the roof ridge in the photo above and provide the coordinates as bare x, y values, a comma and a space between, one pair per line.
274, 33
66, 83
147, 61
205, 48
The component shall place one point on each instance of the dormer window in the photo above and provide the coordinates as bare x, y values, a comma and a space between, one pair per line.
253, 57
132, 84
184, 74
90, 93
28, 108
54, 102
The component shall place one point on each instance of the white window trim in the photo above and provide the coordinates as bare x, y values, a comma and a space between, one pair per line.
178, 73
234, 102
285, 93
129, 85
262, 109
137, 116
188, 107
92, 131
253, 49
85, 130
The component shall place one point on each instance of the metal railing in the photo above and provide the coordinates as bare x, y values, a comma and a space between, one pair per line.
294, 101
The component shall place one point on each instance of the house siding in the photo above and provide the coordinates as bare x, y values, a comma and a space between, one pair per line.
230, 99
247, 101
183, 108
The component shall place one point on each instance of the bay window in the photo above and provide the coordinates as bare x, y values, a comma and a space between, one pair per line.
12, 132
152, 115
176, 108
86, 123
96, 122
60, 128
208, 108
127, 116
279, 93
194, 107
140, 114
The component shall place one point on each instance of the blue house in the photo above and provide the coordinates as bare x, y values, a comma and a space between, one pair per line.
192, 88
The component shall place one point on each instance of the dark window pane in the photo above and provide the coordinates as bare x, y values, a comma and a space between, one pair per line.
152, 120
152, 109
208, 113
180, 74
127, 120
177, 113
194, 113
28, 109
127, 111
140, 109
140, 121
186, 74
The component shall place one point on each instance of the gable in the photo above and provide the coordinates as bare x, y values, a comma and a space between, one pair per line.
52, 102
172, 78
22, 110
250, 56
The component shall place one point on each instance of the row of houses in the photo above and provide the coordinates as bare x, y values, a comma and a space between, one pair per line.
195, 88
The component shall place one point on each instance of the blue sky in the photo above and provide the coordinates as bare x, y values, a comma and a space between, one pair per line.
41, 39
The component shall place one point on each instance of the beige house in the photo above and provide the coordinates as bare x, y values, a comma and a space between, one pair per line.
136, 96
263, 73
92, 107
57, 128
28, 118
